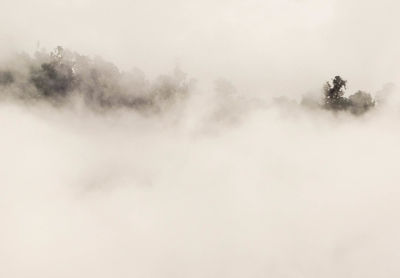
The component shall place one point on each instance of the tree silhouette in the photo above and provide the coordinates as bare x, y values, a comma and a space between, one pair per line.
56, 77
358, 103
334, 94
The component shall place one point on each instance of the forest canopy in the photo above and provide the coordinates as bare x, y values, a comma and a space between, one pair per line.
61, 74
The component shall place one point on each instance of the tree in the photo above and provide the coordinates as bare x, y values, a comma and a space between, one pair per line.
361, 102
56, 77
358, 103
334, 94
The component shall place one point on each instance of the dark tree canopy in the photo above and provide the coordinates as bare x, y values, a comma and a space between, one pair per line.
61, 74
54, 77
358, 103
334, 94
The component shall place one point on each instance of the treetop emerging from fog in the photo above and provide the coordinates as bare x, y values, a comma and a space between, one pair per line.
357, 103
60, 75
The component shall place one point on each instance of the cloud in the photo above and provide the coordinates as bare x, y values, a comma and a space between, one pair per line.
224, 182
280, 191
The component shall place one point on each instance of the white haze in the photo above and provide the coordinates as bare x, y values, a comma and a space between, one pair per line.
281, 194
279, 191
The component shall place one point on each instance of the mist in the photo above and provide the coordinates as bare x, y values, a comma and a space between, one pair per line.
174, 139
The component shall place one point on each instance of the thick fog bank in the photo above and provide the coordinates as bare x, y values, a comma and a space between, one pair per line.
277, 193
160, 172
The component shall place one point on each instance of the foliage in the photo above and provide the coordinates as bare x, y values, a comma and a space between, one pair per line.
334, 98
61, 74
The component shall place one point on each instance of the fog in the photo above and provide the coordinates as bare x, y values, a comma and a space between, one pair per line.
214, 168
264, 47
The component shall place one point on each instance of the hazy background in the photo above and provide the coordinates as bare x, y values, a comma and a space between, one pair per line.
264, 47
278, 191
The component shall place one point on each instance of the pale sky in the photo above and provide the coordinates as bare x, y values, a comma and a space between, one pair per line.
264, 47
